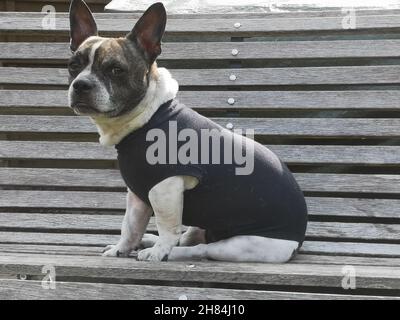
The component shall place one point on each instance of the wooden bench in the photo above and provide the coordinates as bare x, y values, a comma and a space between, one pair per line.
326, 100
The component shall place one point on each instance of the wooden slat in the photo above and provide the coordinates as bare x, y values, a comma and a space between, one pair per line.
328, 154
351, 249
220, 77
112, 223
270, 15
266, 100
345, 260
70, 250
352, 231
299, 258
102, 179
291, 154
94, 247
212, 26
360, 183
222, 50
33, 290
368, 277
284, 127
87, 200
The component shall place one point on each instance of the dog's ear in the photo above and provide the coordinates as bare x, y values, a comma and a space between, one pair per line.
82, 24
148, 31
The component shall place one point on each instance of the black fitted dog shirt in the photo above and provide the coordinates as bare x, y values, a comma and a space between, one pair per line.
268, 202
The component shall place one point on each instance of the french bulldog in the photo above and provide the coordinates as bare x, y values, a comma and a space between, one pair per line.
259, 216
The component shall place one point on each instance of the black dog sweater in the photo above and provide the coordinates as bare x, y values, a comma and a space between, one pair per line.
268, 202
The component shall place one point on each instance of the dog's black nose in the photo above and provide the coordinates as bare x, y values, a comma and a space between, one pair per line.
82, 85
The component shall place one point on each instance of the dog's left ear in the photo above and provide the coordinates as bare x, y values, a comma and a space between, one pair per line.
148, 31
82, 23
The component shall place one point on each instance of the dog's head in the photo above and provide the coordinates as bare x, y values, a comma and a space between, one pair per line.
110, 76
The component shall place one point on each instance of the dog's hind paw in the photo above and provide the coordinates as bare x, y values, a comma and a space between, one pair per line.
148, 241
156, 253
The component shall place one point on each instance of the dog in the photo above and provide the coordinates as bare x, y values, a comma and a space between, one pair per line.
259, 216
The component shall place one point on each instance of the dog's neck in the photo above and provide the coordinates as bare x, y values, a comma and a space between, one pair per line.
162, 87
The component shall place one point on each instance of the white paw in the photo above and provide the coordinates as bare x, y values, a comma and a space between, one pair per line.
156, 253
115, 251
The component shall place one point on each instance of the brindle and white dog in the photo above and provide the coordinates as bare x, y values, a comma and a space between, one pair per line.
116, 82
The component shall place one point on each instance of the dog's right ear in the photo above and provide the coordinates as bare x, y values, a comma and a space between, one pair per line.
82, 24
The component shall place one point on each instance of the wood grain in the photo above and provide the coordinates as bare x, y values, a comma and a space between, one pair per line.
33, 24
222, 50
303, 258
368, 100
317, 275
284, 127
89, 200
349, 75
112, 223
290, 154
33, 290
102, 179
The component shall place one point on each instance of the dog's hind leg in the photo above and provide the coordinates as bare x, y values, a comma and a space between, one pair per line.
239, 249
192, 236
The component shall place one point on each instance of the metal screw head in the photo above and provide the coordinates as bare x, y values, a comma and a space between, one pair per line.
232, 77
235, 52
237, 25
229, 126
231, 101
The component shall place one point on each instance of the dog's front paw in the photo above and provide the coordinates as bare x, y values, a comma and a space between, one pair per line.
156, 253
115, 251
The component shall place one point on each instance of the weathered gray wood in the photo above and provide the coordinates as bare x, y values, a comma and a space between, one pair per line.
63, 250
99, 179
368, 277
323, 249
112, 223
345, 260
291, 154
73, 239
351, 249
31, 25
67, 222
62, 177
86, 200
352, 207
336, 154
33, 290
300, 258
220, 77
351, 231
222, 50
269, 15
264, 100
300, 127
325, 182
83, 200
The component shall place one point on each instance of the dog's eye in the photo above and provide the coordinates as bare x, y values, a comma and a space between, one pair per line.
116, 71
74, 67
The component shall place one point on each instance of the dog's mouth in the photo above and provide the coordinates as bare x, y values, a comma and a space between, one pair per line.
83, 108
